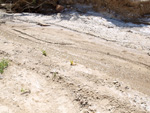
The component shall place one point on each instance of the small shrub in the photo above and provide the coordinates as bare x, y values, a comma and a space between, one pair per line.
3, 65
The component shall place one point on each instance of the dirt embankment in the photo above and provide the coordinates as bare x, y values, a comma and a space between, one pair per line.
125, 9
122, 9
128, 9
35, 6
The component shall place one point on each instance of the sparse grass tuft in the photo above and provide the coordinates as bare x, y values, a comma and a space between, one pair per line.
3, 65
22, 90
71, 62
44, 53
55, 75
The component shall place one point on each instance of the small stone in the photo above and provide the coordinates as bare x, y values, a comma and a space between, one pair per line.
126, 87
130, 31
59, 8
115, 82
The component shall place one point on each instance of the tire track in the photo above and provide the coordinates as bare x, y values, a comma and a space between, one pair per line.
111, 55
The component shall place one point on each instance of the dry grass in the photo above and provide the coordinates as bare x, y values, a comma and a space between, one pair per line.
37, 6
3, 65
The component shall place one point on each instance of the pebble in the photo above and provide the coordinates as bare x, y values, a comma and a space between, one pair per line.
115, 82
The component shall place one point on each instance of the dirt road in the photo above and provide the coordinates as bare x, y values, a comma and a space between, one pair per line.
111, 71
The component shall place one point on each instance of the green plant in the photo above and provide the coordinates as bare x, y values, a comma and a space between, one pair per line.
55, 73
44, 53
71, 62
3, 65
22, 90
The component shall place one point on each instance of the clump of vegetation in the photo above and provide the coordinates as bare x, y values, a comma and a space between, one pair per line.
22, 90
25, 91
72, 63
44, 53
55, 75
3, 65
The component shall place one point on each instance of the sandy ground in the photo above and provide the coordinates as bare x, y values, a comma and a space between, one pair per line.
111, 72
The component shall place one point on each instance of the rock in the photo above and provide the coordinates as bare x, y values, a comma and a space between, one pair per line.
126, 87
59, 8
115, 82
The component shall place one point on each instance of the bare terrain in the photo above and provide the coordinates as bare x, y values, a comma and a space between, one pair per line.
110, 74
